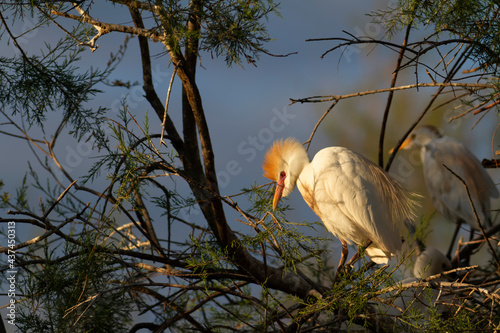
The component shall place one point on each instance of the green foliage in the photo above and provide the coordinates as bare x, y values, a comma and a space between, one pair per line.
474, 23
234, 29
22, 195
207, 256
32, 86
77, 293
291, 241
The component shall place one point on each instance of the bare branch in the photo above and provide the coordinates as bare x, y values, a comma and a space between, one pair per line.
389, 98
328, 98
109, 27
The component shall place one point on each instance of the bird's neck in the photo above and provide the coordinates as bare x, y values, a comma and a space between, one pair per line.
297, 161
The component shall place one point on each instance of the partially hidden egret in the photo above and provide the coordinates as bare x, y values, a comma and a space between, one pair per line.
355, 199
412, 296
429, 261
448, 194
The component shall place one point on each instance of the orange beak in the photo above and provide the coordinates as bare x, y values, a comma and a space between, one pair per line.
404, 145
280, 186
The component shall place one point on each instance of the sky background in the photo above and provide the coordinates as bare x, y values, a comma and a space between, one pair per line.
248, 107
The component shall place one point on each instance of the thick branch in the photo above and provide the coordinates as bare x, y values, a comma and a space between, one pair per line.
207, 194
149, 88
192, 162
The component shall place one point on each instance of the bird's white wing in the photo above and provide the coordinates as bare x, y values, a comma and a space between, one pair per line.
447, 191
354, 198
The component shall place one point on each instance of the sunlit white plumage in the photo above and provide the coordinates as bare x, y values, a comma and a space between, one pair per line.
353, 197
446, 191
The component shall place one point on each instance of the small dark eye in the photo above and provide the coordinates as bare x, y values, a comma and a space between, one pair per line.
282, 174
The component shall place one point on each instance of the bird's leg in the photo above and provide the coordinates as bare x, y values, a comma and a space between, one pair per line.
467, 259
343, 258
448, 254
471, 235
357, 255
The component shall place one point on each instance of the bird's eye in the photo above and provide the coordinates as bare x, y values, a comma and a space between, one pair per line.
282, 174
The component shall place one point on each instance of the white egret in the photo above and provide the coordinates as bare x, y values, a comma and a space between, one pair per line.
355, 199
447, 192
430, 262
412, 296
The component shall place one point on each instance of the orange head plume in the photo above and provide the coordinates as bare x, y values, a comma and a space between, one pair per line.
275, 164
275, 157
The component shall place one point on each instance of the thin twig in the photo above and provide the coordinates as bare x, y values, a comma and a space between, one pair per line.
166, 105
327, 98
54, 204
451, 74
319, 122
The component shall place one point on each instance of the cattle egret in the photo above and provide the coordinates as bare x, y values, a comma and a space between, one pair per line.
355, 199
412, 296
447, 192
430, 262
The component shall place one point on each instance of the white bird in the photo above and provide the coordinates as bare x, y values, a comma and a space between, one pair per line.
357, 201
430, 262
447, 192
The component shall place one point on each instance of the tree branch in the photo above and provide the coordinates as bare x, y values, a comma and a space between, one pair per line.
109, 27
389, 98
149, 88
328, 98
